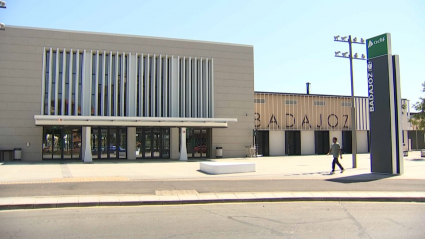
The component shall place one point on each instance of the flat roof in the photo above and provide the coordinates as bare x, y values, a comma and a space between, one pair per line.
128, 35
303, 94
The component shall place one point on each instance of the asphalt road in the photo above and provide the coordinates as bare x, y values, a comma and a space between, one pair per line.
212, 186
253, 220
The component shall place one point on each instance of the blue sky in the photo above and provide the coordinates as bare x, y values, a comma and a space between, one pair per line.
293, 40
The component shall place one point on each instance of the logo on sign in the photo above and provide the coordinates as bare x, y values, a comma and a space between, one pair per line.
370, 86
370, 44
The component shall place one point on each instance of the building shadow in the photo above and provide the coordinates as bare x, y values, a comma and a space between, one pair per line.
416, 159
361, 178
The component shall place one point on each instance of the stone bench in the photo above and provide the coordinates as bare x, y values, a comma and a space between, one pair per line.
224, 168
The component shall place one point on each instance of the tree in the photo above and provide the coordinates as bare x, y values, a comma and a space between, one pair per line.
418, 119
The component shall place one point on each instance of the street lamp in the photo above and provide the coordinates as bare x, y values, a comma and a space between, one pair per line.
350, 56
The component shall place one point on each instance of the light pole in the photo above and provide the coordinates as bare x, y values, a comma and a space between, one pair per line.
353, 109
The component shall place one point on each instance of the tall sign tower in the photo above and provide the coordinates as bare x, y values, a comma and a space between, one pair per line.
383, 75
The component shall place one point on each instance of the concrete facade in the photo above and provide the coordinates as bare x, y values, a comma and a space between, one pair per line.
308, 113
21, 54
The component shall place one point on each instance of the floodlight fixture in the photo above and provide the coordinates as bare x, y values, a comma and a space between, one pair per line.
350, 56
2, 4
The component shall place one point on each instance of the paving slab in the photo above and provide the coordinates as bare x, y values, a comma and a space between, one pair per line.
360, 194
208, 197
283, 194
245, 195
302, 194
340, 194
226, 196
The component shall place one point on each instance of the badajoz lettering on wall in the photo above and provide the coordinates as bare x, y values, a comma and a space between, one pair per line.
290, 121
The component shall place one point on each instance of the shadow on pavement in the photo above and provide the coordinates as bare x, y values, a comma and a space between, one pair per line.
416, 159
361, 178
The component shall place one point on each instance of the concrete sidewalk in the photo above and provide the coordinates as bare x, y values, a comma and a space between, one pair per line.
30, 185
179, 197
286, 167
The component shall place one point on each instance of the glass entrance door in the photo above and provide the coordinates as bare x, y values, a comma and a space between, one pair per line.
109, 142
61, 143
152, 142
156, 142
197, 142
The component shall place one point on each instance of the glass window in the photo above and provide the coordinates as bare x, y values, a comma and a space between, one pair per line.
47, 143
119, 85
197, 142
319, 103
66, 97
123, 143
52, 94
74, 81
80, 82
46, 83
61, 142
113, 78
152, 142
125, 84
290, 102
95, 143
93, 83
60, 93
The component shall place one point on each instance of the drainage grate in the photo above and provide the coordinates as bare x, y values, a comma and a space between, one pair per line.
175, 192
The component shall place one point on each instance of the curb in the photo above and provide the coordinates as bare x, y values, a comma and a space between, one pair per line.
207, 201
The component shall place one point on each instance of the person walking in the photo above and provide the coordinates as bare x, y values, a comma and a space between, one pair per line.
336, 151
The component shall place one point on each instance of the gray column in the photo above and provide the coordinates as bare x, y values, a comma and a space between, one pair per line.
174, 84
131, 85
183, 150
86, 145
131, 143
86, 84
174, 143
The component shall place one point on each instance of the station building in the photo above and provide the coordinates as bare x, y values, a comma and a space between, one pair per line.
416, 137
304, 124
83, 95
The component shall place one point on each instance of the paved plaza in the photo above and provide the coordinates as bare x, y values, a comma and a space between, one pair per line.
286, 167
31, 185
